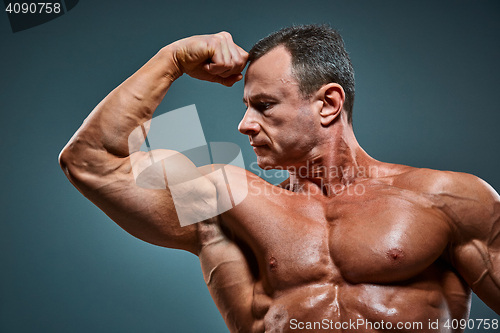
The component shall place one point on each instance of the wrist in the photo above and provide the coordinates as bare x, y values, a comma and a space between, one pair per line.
171, 69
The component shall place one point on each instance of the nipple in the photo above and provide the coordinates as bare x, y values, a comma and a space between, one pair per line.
396, 255
273, 264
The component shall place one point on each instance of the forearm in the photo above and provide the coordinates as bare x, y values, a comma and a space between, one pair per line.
107, 128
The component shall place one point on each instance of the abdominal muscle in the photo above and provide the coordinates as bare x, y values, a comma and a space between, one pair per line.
416, 306
330, 303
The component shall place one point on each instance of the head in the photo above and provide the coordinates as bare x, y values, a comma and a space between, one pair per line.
318, 58
294, 91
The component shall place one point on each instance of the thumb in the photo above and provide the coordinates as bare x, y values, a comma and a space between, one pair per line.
230, 80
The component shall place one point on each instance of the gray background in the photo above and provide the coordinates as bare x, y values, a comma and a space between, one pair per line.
427, 90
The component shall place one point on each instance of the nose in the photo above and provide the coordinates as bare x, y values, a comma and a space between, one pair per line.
249, 125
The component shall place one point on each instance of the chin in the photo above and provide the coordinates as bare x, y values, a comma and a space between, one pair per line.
264, 162
268, 163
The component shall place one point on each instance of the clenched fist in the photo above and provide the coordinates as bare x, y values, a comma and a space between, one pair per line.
214, 58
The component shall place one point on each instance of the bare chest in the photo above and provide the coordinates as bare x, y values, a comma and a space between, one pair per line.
384, 235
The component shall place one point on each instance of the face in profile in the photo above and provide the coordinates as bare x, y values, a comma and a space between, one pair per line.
279, 122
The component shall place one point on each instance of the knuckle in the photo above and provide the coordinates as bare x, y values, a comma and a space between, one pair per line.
240, 65
226, 35
217, 39
240, 61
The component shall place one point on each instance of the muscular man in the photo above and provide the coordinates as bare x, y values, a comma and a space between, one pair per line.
346, 239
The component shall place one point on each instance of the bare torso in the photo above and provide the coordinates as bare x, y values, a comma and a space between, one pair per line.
372, 256
396, 250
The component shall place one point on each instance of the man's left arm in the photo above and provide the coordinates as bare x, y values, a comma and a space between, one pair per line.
475, 209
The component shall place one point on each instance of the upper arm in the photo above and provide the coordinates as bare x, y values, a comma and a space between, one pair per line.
476, 243
148, 194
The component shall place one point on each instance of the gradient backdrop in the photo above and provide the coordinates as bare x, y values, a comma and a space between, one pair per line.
426, 95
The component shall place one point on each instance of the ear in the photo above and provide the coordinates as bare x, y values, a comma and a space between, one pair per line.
332, 96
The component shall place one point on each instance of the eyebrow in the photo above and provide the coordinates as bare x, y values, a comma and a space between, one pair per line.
260, 96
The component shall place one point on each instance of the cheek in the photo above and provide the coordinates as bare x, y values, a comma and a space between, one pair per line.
298, 139
295, 133
305, 129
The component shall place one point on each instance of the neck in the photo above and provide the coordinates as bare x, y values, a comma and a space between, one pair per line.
335, 164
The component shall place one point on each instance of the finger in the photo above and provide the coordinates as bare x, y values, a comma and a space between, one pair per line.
233, 49
234, 57
243, 57
221, 59
218, 69
243, 54
226, 52
239, 56
230, 80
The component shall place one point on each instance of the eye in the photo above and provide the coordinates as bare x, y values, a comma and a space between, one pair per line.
262, 106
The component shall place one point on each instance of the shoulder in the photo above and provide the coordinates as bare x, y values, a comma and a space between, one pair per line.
450, 184
471, 203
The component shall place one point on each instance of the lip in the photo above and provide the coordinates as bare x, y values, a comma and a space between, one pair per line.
257, 142
257, 145
258, 149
